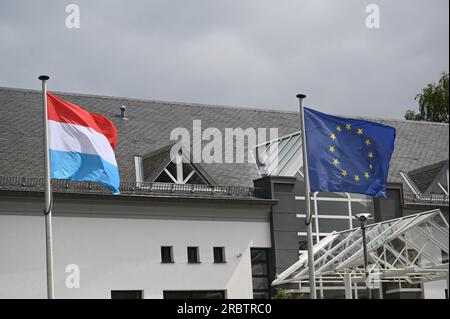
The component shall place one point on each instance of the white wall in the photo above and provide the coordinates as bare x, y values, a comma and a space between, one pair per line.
123, 253
435, 289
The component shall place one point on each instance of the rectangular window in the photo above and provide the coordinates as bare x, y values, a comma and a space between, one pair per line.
126, 294
260, 273
193, 255
219, 255
194, 294
444, 257
166, 254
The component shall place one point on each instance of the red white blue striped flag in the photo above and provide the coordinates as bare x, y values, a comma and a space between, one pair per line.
81, 144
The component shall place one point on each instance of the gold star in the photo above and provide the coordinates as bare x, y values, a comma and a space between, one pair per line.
360, 132
357, 178
335, 162
371, 166
366, 175
368, 142
370, 155
348, 127
331, 149
333, 136
344, 173
338, 128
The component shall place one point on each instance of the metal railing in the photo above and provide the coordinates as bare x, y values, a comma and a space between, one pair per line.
436, 199
142, 188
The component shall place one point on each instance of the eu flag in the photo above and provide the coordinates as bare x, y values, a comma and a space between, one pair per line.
348, 155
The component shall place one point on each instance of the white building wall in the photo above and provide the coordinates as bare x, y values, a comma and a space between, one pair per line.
123, 252
435, 289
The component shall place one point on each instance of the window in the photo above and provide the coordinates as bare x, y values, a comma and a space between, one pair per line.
260, 273
126, 294
195, 294
302, 245
444, 256
166, 254
193, 255
219, 255
183, 173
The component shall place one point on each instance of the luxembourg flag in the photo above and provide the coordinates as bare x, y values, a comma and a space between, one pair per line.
81, 144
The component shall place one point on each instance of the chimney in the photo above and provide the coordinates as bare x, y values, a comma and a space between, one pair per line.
123, 111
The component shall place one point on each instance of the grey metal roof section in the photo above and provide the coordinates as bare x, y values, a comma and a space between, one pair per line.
150, 122
281, 157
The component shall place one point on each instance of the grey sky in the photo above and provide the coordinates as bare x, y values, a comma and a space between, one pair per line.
249, 53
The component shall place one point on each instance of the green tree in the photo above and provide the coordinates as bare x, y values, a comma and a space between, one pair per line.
433, 102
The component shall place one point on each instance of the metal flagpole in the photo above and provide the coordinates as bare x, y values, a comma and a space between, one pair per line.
363, 222
48, 195
312, 276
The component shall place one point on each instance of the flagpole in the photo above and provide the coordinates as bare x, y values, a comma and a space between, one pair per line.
48, 195
312, 277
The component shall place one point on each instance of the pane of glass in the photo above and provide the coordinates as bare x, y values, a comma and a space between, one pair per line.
186, 169
259, 269
258, 255
163, 178
439, 221
195, 179
444, 257
166, 254
284, 156
293, 165
412, 254
219, 254
172, 168
260, 295
193, 254
260, 283
303, 245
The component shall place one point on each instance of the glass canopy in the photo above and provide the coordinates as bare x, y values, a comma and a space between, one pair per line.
411, 249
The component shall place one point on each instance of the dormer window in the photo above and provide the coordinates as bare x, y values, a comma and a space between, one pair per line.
160, 167
180, 173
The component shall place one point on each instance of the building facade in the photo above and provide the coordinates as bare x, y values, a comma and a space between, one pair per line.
119, 244
189, 230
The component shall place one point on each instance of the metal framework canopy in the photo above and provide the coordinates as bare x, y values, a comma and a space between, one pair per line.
411, 249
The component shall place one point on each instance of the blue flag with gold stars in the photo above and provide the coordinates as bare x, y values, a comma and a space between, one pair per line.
348, 155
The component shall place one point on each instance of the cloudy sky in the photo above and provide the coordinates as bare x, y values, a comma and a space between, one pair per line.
249, 53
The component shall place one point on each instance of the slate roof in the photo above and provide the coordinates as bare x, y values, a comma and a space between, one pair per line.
154, 162
150, 122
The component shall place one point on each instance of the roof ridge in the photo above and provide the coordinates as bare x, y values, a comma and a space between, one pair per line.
223, 107
428, 167
178, 103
